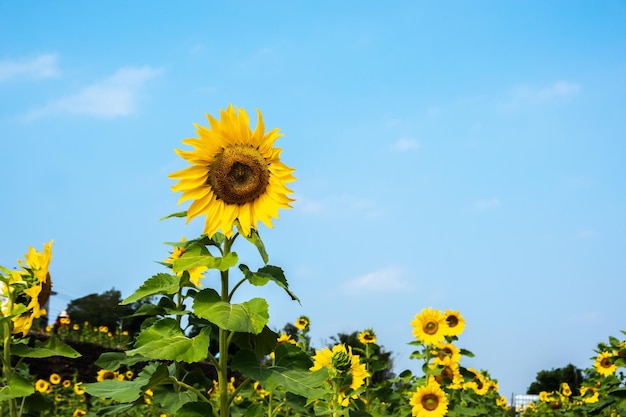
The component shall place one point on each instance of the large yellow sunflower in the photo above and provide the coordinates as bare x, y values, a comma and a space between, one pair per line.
455, 322
429, 401
604, 365
235, 173
429, 326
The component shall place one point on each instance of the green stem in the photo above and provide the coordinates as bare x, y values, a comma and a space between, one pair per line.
192, 389
224, 340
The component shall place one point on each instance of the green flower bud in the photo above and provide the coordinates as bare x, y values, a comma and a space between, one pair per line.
341, 361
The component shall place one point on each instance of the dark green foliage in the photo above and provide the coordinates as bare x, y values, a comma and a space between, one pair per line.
105, 310
551, 380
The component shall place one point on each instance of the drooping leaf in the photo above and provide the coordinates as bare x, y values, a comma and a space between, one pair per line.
17, 387
157, 284
268, 273
255, 239
165, 340
248, 317
44, 349
177, 214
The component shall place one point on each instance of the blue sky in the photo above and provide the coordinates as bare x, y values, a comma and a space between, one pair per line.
462, 155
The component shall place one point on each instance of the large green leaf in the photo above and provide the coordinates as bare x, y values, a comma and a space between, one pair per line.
248, 317
197, 255
291, 371
157, 284
122, 391
268, 273
17, 387
44, 349
165, 340
113, 360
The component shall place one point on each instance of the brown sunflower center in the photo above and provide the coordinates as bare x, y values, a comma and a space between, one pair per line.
605, 363
239, 174
431, 327
452, 320
430, 402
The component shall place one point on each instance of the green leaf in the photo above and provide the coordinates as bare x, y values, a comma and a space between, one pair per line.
177, 214
266, 274
165, 340
44, 349
197, 255
157, 284
17, 387
261, 344
291, 371
122, 391
112, 361
248, 317
255, 239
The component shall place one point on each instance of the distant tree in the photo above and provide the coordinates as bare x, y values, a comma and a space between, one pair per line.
105, 310
551, 380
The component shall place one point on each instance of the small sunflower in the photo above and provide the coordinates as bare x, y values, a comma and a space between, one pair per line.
455, 323
77, 389
303, 323
104, 374
604, 365
429, 326
67, 383
42, 385
341, 360
55, 379
590, 395
79, 413
367, 336
235, 174
446, 353
565, 389
285, 338
429, 401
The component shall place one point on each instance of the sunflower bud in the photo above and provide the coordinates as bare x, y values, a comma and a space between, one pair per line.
341, 361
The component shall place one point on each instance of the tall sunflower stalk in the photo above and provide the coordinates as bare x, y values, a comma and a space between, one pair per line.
236, 180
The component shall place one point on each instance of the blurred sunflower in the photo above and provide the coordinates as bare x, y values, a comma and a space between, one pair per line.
55, 379
302, 323
340, 360
367, 336
42, 385
446, 353
604, 365
455, 322
429, 326
235, 174
429, 401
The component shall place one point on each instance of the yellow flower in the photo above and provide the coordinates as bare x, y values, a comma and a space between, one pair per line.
446, 353
367, 336
55, 379
258, 390
42, 385
604, 365
455, 323
502, 402
450, 375
129, 374
429, 326
79, 413
75, 327
565, 389
429, 401
340, 360
235, 173
194, 273
105, 374
285, 338
479, 383
590, 394
67, 383
302, 323
78, 390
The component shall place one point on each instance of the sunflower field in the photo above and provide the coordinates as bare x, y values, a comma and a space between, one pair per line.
235, 180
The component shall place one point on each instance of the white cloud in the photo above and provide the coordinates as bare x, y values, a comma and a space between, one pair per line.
114, 96
405, 144
42, 66
390, 279
529, 95
487, 204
